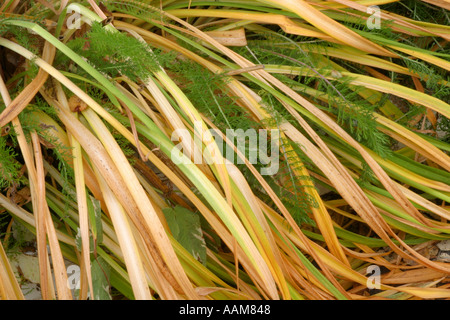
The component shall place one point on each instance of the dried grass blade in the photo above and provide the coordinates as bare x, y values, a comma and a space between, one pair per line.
127, 243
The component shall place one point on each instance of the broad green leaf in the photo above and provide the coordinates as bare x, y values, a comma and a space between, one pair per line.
186, 229
100, 279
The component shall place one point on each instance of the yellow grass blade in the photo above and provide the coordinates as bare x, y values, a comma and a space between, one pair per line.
127, 244
329, 26
9, 287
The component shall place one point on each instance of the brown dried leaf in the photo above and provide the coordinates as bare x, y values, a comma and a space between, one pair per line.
76, 104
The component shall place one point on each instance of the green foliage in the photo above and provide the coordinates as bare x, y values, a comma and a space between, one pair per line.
116, 53
101, 273
186, 229
436, 80
356, 115
210, 95
9, 167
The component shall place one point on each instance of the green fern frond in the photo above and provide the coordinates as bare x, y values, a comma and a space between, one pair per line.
116, 54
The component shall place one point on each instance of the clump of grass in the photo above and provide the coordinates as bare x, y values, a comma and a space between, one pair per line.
360, 124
